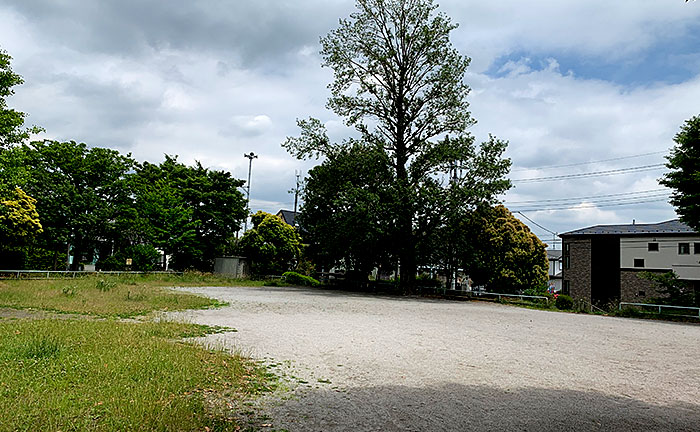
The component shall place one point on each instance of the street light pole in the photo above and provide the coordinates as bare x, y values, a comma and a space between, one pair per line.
250, 156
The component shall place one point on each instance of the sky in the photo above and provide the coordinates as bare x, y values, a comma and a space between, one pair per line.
589, 94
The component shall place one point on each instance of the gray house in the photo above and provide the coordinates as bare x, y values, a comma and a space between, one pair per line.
601, 263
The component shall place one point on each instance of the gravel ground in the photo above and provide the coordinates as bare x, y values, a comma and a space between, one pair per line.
369, 363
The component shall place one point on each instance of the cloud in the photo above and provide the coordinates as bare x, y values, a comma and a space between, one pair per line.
563, 82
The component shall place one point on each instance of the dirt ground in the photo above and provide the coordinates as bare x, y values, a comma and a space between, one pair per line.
367, 363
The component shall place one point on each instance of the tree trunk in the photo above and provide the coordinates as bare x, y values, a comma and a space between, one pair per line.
406, 243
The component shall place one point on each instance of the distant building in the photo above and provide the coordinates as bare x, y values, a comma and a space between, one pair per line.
289, 217
601, 263
555, 278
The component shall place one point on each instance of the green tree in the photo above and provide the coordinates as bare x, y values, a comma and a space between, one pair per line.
501, 252
76, 189
673, 290
11, 121
19, 227
201, 210
272, 246
684, 177
347, 215
399, 82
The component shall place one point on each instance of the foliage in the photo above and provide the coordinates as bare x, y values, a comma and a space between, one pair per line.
272, 246
143, 258
399, 82
424, 280
348, 210
19, 220
501, 252
11, 121
77, 190
684, 177
564, 302
67, 375
300, 279
192, 212
674, 291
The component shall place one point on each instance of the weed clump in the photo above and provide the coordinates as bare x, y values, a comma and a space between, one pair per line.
295, 278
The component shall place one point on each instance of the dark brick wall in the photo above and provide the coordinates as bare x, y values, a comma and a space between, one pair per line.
579, 272
631, 285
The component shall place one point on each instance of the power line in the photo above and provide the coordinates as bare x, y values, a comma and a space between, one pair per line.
591, 206
588, 197
589, 163
621, 200
591, 174
536, 224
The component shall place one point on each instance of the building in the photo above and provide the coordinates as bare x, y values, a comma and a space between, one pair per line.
555, 264
289, 217
601, 264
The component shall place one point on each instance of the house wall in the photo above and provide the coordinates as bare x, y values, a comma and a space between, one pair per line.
579, 272
666, 258
634, 289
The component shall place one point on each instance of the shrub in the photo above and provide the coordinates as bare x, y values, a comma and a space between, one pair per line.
424, 280
295, 278
564, 302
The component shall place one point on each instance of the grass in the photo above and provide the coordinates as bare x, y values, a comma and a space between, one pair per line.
107, 295
108, 375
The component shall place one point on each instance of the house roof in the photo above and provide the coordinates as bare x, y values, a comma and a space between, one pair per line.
288, 216
673, 226
553, 254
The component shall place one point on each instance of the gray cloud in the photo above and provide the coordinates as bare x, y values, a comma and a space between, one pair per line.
212, 80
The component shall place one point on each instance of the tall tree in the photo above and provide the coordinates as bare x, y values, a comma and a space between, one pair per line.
272, 245
399, 82
347, 215
11, 121
501, 252
76, 189
684, 177
211, 210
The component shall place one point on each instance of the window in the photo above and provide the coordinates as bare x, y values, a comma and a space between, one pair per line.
653, 247
567, 262
683, 248
566, 288
696, 248
639, 262
567, 248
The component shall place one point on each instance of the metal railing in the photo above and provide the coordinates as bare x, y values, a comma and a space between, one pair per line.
660, 307
521, 296
47, 274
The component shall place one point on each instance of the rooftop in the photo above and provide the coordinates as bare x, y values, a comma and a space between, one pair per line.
673, 226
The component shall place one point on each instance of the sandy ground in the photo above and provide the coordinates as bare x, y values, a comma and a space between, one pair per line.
368, 363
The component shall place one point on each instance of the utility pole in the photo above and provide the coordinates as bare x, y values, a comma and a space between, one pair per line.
297, 189
250, 156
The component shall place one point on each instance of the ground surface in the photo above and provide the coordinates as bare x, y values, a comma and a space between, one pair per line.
403, 364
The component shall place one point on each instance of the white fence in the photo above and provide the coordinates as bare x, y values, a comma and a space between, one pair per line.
661, 307
47, 274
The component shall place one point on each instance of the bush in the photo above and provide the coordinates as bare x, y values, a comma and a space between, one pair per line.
143, 258
564, 302
424, 280
295, 278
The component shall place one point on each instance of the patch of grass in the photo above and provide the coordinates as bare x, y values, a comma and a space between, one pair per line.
109, 375
107, 295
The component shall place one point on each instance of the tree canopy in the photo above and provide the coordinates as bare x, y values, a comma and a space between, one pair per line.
684, 177
501, 252
399, 82
272, 245
11, 121
96, 202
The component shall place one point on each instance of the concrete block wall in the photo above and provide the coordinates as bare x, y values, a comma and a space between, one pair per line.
631, 285
579, 272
